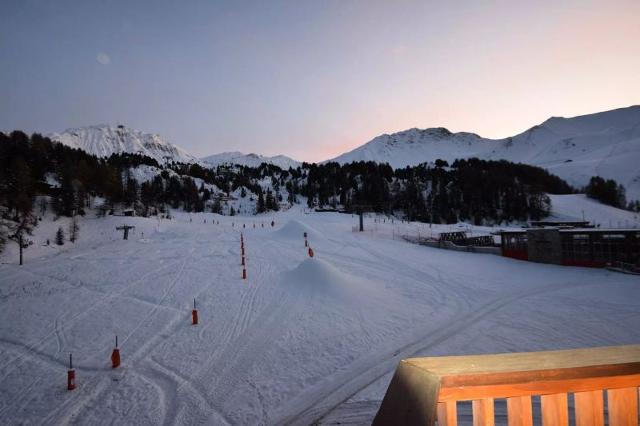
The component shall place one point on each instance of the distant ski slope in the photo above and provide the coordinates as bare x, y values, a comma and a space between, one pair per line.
251, 160
579, 207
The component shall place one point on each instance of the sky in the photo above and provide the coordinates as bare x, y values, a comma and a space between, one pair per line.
312, 79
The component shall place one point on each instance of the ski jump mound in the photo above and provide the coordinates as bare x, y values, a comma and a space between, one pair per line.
317, 277
294, 230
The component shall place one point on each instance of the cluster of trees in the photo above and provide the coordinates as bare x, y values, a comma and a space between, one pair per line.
267, 203
606, 191
468, 190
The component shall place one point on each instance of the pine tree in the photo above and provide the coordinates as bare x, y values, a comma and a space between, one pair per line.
270, 202
74, 229
260, 207
216, 207
60, 237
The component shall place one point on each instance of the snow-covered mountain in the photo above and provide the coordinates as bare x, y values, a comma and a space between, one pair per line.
605, 144
415, 146
251, 160
104, 140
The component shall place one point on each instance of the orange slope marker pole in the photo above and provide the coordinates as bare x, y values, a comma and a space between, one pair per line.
115, 356
71, 375
194, 314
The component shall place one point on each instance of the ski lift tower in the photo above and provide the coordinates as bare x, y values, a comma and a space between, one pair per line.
361, 209
125, 230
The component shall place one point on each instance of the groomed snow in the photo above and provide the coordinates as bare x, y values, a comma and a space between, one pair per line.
578, 207
301, 340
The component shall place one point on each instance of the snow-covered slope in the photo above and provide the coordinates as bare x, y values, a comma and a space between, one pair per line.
606, 144
415, 146
251, 160
574, 207
104, 140
300, 339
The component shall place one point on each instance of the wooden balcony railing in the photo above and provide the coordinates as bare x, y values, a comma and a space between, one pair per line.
424, 391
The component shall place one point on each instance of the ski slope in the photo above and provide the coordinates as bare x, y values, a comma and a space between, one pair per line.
577, 207
250, 160
302, 340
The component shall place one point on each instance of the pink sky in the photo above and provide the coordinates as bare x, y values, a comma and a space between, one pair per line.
312, 79
582, 61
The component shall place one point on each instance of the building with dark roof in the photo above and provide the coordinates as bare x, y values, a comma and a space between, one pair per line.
575, 246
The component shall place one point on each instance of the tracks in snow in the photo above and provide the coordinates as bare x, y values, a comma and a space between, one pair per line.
311, 406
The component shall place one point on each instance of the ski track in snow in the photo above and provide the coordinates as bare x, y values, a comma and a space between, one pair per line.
57, 330
229, 368
326, 399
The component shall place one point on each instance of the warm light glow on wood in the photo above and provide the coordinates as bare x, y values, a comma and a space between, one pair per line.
431, 387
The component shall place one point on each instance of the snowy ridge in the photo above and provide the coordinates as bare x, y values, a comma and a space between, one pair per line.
415, 146
251, 160
105, 140
606, 144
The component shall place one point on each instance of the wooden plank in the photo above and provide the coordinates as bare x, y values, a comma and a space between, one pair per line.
589, 408
483, 414
519, 411
447, 414
623, 406
467, 393
527, 361
506, 377
555, 411
420, 383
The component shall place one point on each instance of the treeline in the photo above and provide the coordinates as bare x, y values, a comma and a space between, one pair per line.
468, 190
478, 191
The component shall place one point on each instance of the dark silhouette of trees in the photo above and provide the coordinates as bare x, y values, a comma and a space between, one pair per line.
607, 192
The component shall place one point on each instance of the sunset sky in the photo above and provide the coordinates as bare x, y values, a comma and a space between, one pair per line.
312, 79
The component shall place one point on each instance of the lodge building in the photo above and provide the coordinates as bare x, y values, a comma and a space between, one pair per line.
592, 247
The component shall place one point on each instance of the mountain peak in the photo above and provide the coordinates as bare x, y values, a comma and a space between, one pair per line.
604, 143
103, 140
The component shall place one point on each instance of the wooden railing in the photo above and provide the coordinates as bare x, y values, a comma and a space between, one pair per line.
603, 381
